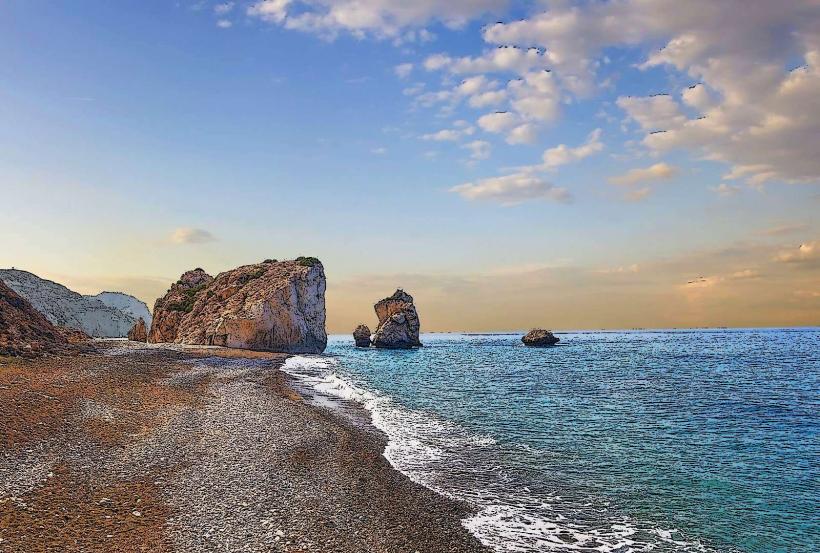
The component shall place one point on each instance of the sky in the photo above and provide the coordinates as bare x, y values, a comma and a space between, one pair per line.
569, 165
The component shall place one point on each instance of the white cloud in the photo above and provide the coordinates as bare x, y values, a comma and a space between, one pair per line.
480, 91
498, 122
272, 11
414, 90
509, 190
653, 113
479, 149
488, 98
699, 98
523, 134
503, 59
379, 151
725, 190
653, 173
754, 111
533, 95
403, 70
525, 183
224, 24
536, 96
450, 135
187, 235
399, 20
563, 154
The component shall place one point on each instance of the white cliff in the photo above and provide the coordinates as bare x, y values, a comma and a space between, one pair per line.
64, 307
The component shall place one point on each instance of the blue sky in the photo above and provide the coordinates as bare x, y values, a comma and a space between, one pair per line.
276, 129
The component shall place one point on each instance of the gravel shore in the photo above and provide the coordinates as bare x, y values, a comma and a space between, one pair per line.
152, 449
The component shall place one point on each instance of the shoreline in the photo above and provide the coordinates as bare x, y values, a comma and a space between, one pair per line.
198, 449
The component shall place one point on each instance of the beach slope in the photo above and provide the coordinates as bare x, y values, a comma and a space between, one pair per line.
151, 449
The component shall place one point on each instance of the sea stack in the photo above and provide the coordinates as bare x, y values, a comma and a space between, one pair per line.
138, 332
538, 337
269, 306
398, 322
362, 336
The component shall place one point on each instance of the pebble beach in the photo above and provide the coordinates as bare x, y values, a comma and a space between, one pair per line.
152, 448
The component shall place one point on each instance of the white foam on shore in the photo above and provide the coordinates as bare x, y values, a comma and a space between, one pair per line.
419, 444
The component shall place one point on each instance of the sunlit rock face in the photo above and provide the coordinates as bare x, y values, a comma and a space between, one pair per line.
138, 333
270, 306
398, 322
170, 309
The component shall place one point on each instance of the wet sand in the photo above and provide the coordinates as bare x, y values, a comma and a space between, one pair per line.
149, 449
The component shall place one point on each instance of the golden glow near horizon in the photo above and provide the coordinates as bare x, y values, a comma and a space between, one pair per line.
758, 286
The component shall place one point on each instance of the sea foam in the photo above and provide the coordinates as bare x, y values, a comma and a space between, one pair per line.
426, 448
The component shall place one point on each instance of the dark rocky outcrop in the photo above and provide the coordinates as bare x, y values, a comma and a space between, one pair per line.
26, 332
138, 332
398, 322
270, 306
538, 337
362, 336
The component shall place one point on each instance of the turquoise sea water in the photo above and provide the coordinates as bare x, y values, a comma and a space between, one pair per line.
612, 441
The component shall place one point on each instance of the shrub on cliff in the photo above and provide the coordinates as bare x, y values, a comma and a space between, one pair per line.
307, 261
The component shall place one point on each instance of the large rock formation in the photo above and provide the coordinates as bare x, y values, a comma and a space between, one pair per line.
66, 308
138, 332
273, 306
398, 322
170, 309
24, 331
538, 337
362, 336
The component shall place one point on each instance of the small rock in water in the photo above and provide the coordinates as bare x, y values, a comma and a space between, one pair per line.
362, 336
538, 337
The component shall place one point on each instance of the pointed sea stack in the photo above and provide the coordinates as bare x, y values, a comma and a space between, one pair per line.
138, 332
398, 322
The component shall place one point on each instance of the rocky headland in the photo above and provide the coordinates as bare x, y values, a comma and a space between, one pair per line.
26, 332
268, 306
98, 316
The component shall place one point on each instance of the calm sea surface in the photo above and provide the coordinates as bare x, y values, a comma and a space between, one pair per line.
612, 441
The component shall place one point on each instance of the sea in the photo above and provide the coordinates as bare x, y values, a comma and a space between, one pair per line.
611, 441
